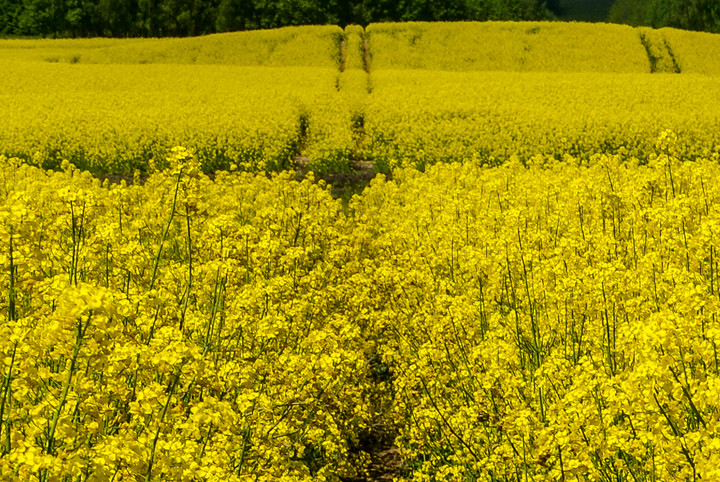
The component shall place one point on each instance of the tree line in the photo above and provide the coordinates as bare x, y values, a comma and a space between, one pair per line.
159, 18
178, 18
686, 14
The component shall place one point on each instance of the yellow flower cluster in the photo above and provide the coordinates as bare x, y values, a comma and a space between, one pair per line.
117, 118
385, 94
540, 322
507, 46
184, 329
539, 47
283, 47
550, 322
417, 118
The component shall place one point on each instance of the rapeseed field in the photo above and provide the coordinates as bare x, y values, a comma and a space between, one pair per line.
394, 94
528, 290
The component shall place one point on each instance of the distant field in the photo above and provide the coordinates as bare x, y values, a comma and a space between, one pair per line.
117, 118
697, 52
258, 100
461, 46
527, 46
420, 117
286, 47
537, 46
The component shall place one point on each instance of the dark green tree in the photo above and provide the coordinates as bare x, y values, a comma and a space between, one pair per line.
684, 14
235, 15
117, 17
429, 10
82, 18
368, 11
276, 13
40, 17
121, 18
9, 13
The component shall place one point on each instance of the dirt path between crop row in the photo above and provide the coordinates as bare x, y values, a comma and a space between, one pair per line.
343, 54
385, 464
385, 460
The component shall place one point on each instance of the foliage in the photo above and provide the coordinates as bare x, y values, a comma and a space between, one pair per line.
550, 322
517, 46
511, 323
581, 10
685, 14
178, 18
186, 329
417, 118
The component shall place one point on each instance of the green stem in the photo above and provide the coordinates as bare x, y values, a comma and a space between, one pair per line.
165, 233
190, 268
162, 419
12, 313
447, 424
6, 392
66, 388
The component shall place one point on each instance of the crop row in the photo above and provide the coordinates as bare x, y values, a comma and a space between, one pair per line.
118, 118
454, 46
553, 322
539, 46
113, 118
421, 117
115, 106
502, 324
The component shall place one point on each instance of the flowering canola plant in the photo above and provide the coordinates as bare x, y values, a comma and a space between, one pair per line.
393, 94
307, 46
532, 294
417, 118
550, 322
184, 329
506, 46
118, 118
540, 322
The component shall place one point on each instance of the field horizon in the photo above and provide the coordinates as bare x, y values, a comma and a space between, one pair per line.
335, 116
